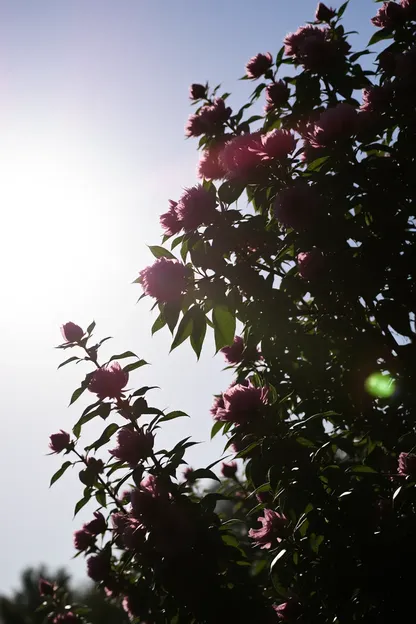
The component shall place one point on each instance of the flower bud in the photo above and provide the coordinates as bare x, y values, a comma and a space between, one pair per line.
258, 65
83, 539
229, 471
45, 588
323, 13
72, 332
59, 441
198, 91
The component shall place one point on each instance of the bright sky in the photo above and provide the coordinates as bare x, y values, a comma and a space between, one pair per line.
93, 100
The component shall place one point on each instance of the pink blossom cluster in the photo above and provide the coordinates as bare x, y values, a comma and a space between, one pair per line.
210, 119
237, 352
108, 381
297, 206
240, 403
315, 48
165, 280
274, 528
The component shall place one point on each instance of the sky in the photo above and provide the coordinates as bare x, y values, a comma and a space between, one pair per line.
93, 101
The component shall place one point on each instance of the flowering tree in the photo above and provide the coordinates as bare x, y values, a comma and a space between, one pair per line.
300, 231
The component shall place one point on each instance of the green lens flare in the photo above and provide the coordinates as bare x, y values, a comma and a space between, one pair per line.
380, 386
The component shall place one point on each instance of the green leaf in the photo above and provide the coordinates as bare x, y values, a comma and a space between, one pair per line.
199, 330
121, 356
143, 390
362, 469
216, 427
342, 8
171, 313
224, 326
204, 473
158, 324
58, 474
102, 410
101, 498
71, 359
380, 35
173, 415
316, 164
209, 501
90, 328
104, 438
184, 329
354, 57
81, 503
229, 192
161, 252
91, 407
77, 394
132, 367
315, 541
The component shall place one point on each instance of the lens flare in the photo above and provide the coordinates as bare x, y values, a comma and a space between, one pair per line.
379, 385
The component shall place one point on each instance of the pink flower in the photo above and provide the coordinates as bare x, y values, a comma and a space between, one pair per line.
45, 588
407, 464
274, 528
119, 521
99, 567
170, 221
229, 470
196, 207
241, 403
72, 332
409, 7
313, 48
59, 441
288, 611
323, 13
149, 500
209, 166
133, 446
96, 526
153, 484
133, 606
241, 155
310, 264
237, 352
214, 114
334, 124
134, 535
277, 144
258, 65
194, 126
83, 539
263, 497
277, 94
108, 381
125, 496
218, 404
198, 91
65, 618
389, 16
95, 466
296, 206
165, 280
234, 353
377, 99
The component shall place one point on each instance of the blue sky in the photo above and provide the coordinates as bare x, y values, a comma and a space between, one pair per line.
92, 108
